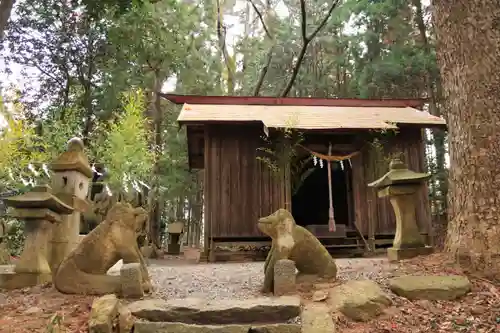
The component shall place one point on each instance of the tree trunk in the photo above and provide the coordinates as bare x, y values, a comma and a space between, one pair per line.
5, 11
468, 34
440, 190
156, 199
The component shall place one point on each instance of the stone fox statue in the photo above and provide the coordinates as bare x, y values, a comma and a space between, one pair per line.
291, 241
84, 270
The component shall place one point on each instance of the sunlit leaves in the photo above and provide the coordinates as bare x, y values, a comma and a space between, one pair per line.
125, 152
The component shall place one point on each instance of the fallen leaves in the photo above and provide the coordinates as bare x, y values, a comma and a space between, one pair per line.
477, 312
31, 309
39, 308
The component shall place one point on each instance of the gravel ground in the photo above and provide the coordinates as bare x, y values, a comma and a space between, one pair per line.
241, 280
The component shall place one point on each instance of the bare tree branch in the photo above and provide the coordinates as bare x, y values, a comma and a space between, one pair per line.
263, 71
261, 18
322, 24
303, 21
306, 40
221, 34
269, 56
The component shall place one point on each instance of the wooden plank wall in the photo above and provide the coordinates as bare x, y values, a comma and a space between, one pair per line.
238, 188
377, 212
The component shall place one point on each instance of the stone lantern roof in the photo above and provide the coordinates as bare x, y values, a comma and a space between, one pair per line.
40, 197
175, 228
399, 174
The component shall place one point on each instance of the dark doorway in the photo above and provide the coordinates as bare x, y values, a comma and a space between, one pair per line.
310, 201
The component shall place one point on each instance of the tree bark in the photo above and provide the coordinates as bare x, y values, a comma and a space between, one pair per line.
156, 202
5, 11
468, 34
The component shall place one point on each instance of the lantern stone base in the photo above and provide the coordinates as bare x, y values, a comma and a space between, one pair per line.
397, 254
174, 249
11, 280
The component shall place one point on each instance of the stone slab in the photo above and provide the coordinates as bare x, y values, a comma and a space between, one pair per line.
220, 312
316, 318
104, 311
395, 254
11, 280
359, 300
156, 327
430, 287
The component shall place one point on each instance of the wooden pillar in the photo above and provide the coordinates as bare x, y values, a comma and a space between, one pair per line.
350, 199
208, 183
372, 208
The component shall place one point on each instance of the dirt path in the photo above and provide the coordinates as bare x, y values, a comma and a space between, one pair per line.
171, 279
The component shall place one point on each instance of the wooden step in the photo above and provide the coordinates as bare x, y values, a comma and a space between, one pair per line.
342, 246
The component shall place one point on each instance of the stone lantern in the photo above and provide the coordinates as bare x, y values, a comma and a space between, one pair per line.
400, 185
40, 209
72, 175
175, 231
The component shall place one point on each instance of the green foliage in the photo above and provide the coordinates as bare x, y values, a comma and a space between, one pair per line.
58, 128
15, 236
281, 149
125, 151
82, 55
20, 146
97, 7
280, 153
55, 323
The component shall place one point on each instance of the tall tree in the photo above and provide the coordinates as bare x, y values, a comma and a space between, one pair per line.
468, 35
6, 7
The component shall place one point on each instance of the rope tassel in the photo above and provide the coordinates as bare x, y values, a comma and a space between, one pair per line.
331, 219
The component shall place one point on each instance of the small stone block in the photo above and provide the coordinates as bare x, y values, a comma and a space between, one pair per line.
131, 280
395, 254
284, 277
103, 313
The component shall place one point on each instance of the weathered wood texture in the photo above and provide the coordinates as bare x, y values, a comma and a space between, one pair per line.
238, 188
371, 211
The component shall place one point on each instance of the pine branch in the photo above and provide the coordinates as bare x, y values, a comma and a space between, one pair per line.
305, 42
269, 56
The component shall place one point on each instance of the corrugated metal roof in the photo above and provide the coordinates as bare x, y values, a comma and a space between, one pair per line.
309, 117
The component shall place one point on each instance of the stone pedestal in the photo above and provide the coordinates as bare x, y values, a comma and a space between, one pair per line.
72, 174
397, 254
401, 185
408, 241
39, 209
175, 231
131, 280
284, 277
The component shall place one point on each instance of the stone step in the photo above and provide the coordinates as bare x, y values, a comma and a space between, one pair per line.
158, 327
265, 310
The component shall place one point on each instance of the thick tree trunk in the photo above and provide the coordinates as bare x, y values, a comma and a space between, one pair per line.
5, 11
468, 34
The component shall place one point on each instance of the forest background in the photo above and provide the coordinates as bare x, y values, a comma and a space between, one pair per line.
93, 69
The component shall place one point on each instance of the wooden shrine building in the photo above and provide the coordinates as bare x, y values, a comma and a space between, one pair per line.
225, 138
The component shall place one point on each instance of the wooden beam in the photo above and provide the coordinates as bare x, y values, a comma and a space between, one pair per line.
300, 101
